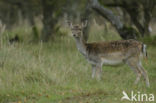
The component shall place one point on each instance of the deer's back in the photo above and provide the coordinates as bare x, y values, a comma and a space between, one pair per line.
113, 46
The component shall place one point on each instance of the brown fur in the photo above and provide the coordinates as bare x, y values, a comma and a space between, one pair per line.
113, 46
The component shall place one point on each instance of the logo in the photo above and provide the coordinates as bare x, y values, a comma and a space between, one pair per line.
137, 96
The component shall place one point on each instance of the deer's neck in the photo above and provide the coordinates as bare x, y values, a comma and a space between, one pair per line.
80, 43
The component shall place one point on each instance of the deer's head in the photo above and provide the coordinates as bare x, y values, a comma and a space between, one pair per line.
77, 30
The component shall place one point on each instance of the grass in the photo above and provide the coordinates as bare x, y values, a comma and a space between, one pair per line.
55, 72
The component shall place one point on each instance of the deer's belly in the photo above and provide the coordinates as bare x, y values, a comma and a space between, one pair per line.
111, 61
115, 58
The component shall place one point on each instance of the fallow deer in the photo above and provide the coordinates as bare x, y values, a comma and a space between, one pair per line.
128, 52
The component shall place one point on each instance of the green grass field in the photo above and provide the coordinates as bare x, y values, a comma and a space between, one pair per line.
55, 72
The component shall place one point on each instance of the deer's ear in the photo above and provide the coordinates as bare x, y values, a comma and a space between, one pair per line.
70, 24
84, 24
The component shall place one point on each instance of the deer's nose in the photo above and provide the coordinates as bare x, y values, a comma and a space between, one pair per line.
74, 35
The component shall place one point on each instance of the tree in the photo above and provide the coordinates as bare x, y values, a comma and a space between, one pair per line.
29, 9
131, 7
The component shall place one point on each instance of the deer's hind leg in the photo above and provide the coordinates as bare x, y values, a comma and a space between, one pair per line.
132, 63
144, 73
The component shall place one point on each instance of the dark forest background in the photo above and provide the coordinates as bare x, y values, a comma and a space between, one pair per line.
131, 18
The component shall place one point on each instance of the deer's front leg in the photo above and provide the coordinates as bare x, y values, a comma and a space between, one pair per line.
93, 71
99, 71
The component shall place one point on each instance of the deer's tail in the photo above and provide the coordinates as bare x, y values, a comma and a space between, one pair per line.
144, 51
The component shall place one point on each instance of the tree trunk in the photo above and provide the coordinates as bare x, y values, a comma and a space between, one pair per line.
140, 13
124, 31
47, 26
86, 17
48, 21
148, 8
147, 16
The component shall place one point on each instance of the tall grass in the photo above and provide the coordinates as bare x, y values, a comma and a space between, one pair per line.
55, 72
